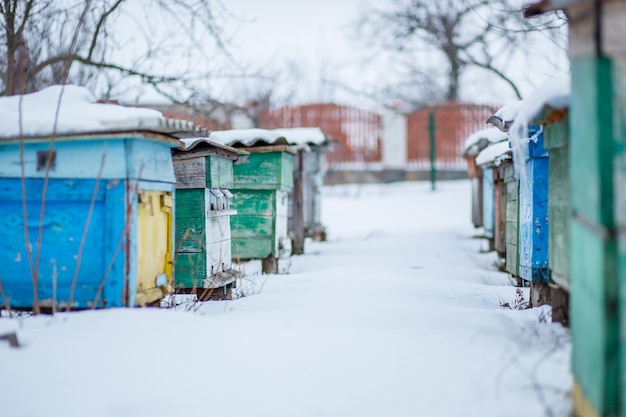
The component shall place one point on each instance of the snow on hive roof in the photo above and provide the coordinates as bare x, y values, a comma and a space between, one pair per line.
490, 135
192, 143
554, 93
495, 153
247, 137
303, 135
70, 109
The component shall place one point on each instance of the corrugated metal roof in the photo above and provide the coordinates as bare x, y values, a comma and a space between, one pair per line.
194, 143
248, 137
303, 135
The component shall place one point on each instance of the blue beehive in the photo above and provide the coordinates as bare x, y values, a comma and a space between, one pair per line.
86, 203
533, 210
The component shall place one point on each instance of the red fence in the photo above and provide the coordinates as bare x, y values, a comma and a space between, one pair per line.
356, 132
454, 122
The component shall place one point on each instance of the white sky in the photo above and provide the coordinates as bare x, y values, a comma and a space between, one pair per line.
307, 41
319, 35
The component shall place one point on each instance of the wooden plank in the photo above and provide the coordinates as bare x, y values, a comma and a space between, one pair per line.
191, 203
149, 161
113, 279
296, 219
488, 202
559, 212
219, 172
265, 171
63, 230
154, 240
253, 202
190, 173
190, 234
190, 269
595, 283
77, 159
533, 213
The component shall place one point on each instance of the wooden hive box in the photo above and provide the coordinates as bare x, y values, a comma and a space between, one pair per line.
311, 145
533, 211
204, 176
597, 216
314, 171
260, 196
511, 184
105, 238
86, 202
474, 144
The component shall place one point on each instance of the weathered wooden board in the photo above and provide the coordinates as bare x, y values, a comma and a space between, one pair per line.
125, 156
533, 212
116, 187
154, 242
500, 211
488, 203
595, 303
260, 226
559, 207
219, 172
265, 171
512, 220
68, 205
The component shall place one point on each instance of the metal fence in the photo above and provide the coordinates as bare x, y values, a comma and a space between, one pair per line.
356, 133
453, 123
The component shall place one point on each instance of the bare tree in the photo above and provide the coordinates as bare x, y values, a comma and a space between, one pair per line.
459, 34
120, 42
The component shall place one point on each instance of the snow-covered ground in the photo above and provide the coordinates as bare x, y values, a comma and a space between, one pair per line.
399, 314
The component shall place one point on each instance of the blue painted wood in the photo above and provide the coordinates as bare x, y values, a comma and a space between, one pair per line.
488, 203
63, 228
533, 211
126, 156
108, 269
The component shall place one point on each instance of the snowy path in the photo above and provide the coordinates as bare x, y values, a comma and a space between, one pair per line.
397, 315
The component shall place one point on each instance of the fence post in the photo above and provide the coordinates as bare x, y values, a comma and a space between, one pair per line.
431, 135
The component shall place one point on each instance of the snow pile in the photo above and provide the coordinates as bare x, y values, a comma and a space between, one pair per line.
247, 137
516, 117
303, 135
69, 109
495, 153
473, 143
398, 314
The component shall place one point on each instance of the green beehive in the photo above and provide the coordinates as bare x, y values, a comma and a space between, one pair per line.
261, 196
204, 175
261, 192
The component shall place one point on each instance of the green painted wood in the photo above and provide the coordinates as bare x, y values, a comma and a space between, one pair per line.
190, 228
253, 228
620, 212
254, 202
190, 269
512, 220
190, 202
265, 171
593, 248
556, 138
219, 172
